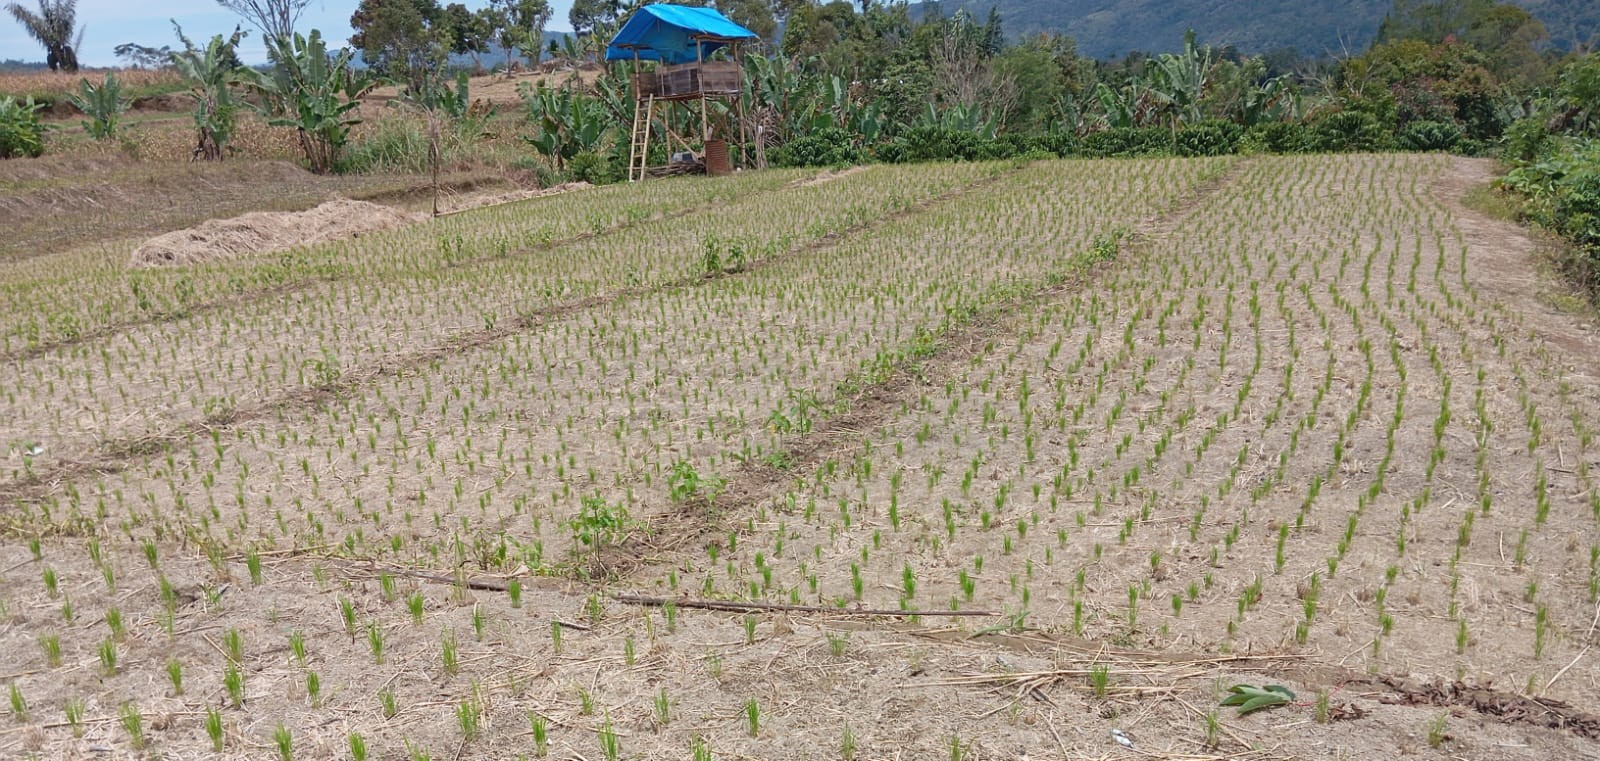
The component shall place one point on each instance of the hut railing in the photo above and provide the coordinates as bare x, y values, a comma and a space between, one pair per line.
691, 79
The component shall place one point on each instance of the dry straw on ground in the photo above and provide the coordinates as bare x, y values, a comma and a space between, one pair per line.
474, 202
264, 232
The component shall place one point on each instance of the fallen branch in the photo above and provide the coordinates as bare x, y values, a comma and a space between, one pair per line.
470, 582
744, 607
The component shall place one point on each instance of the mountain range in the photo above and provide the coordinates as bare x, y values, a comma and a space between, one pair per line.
1112, 28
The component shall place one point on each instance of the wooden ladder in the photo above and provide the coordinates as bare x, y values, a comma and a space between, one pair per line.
639, 149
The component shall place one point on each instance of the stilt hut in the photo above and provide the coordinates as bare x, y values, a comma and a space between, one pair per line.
684, 82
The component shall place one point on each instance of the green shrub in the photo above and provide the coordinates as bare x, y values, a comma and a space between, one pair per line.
593, 168
1576, 205
1128, 141
935, 143
1527, 140
399, 143
544, 175
825, 147
1563, 193
1282, 137
1429, 136
1211, 138
892, 152
1001, 148
21, 133
1061, 144
1349, 131
1031, 145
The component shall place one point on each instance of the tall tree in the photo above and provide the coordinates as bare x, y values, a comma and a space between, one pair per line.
1509, 36
994, 38
143, 56
55, 26
586, 15
524, 25
401, 38
469, 33
755, 15
275, 18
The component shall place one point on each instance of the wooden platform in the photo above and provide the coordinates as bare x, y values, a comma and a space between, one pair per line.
709, 79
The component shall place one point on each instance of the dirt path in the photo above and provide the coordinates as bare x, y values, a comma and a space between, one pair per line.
54, 206
1509, 258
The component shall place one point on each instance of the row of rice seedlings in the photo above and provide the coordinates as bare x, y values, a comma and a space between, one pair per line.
1370, 415
51, 306
141, 382
420, 429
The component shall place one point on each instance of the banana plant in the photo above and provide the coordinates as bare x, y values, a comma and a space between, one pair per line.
841, 108
615, 91
568, 122
102, 103
314, 93
438, 96
1072, 113
1275, 100
1115, 106
451, 105
571, 48
1179, 82
781, 98
211, 72
962, 118
21, 132
869, 120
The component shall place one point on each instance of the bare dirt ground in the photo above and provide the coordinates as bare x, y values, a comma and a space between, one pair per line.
979, 498
58, 204
503, 89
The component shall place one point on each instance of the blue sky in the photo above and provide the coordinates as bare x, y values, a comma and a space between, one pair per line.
109, 23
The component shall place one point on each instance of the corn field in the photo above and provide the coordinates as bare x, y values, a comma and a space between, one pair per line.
56, 84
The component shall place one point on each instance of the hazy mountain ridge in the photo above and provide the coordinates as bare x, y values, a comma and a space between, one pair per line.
1109, 28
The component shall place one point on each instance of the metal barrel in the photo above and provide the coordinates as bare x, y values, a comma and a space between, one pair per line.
717, 163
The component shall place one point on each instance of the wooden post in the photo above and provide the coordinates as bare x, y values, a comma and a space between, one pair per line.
738, 104
433, 157
705, 124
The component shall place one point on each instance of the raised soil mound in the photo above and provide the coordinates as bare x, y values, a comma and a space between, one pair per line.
264, 232
467, 203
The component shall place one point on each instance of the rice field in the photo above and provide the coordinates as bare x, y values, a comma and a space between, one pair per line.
977, 461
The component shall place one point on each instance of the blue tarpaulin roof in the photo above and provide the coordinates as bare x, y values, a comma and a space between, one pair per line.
669, 34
